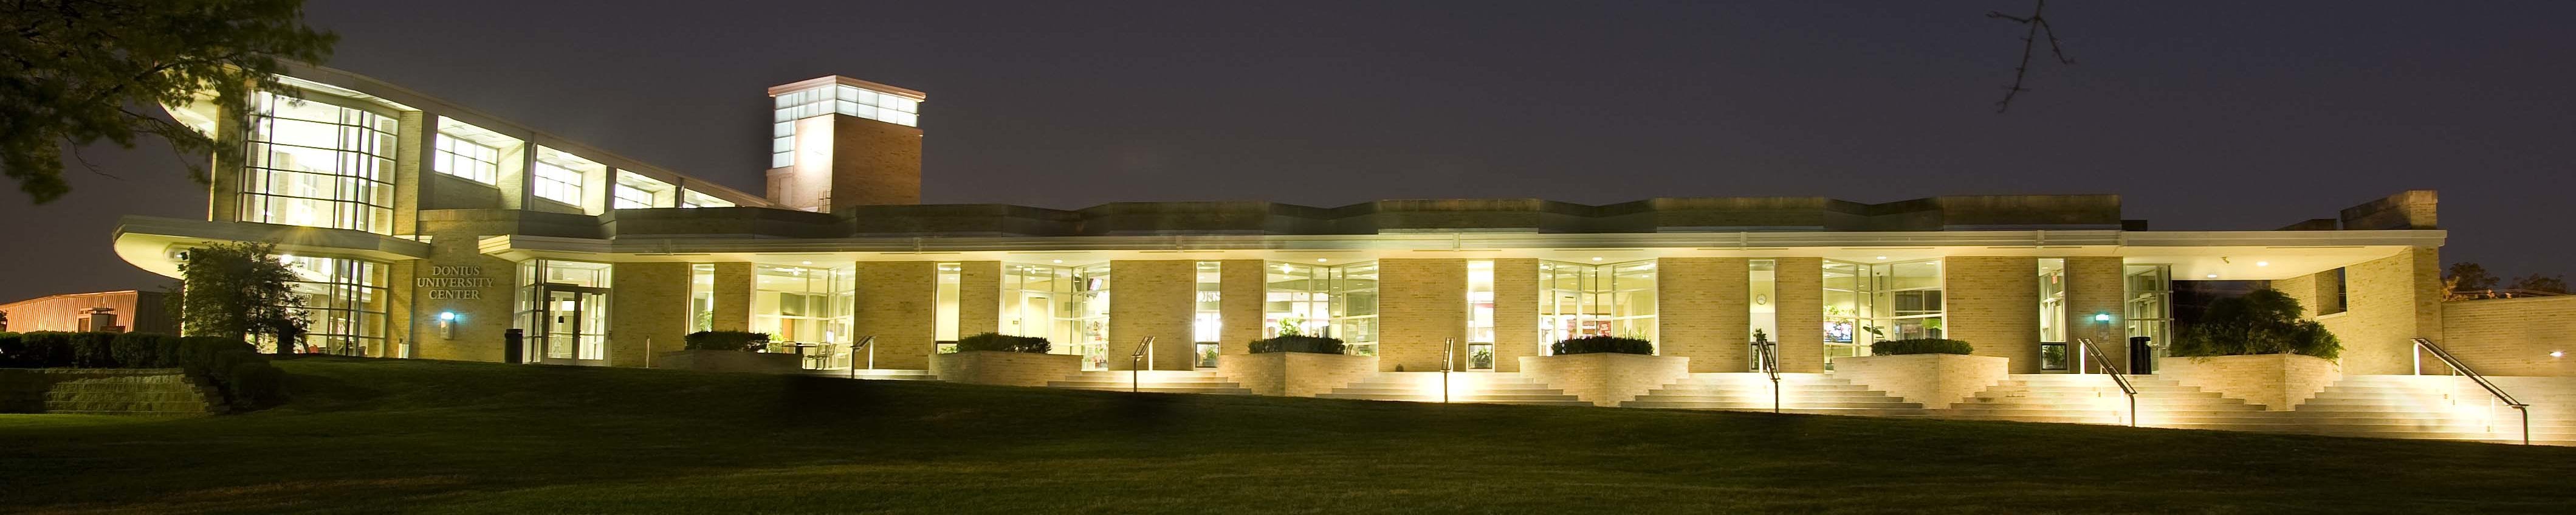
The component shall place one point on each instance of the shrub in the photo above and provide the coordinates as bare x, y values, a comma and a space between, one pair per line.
1297, 343
726, 340
2261, 322
1597, 344
240, 374
1000, 342
1920, 346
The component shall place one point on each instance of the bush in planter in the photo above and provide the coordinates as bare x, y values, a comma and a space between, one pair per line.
2261, 322
1297, 343
1595, 344
726, 340
1920, 346
240, 374
1000, 342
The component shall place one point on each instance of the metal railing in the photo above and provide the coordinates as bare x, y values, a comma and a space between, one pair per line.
1766, 356
863, 345
2092, 353
1136, 364
1448, 360
2424, 346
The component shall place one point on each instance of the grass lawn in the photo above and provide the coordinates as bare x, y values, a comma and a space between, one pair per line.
430, 436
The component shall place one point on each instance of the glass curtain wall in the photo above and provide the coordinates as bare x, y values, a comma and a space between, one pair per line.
1847, 309
1047, 302
1090, 312
1480, 314
805, 310
1207, 326
1578, 300
1867, 303
1297, 300
950, 278
315, 164
344, 305
2052, 300
2149, 308
1354, 307
563, 307
702, 297
1764, 286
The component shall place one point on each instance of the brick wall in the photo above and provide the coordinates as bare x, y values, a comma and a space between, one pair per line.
1515, 313
1240, 289
1155, 298
2277, 382
732, 291
480, 336
2512, 337
2094, 285
1421, 302
1993, 303
2391, 301
1004, 368
1799, 284
898, 302
1703, 311
648, 303
1606, 378
979, 297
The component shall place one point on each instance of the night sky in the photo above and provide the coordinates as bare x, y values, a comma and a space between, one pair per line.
2237, 115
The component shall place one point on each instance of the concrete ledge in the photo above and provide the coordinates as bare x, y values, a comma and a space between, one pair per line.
2279, 382
1004, 368
1295, 374
730, 361
1605, 378
1934, 380
107, 391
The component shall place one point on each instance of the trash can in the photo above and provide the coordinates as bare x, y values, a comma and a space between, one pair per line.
2142, 358
511, 351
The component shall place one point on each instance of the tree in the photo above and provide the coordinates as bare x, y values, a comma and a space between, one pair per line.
2467, 280
2264, 321
79, 71
2540, 284
240, 290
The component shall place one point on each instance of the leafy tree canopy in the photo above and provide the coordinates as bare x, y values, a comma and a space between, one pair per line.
2262, 322
240, 290
78, 71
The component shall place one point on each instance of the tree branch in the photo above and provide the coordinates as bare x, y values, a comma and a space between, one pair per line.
2038, 23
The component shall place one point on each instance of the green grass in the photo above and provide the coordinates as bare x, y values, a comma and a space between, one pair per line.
429, 436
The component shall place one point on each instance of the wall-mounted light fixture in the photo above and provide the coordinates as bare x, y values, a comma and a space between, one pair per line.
447, 325
2102, 317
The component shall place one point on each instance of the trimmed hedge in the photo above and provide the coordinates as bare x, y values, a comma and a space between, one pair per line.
1298, 343
1599, 344
999, 342
1920, 346
726, 340
239, 372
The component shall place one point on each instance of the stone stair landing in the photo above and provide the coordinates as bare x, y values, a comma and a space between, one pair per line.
1799, 393
1464, 387
1155, 381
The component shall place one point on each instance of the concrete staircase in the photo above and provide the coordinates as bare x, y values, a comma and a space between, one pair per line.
1156, 381
2406, 406
1464, 387
2095, 399
1799, 393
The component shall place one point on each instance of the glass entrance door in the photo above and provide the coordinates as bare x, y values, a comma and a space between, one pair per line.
571, 324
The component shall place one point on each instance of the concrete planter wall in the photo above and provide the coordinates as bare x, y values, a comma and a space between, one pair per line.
730, 361
1004, 368
1605, 378
1295, 374
1934, 380
2276, 381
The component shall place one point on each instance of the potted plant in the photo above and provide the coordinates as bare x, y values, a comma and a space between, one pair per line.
1933, 371
729, 351
2255, 347
1296, 365
1605, 370
994, 358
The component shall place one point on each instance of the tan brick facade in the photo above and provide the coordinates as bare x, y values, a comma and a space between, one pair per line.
1421, 304
898, 302
648, 311
732, 290
1515, 313
1800, 286
2096, 285
1993, 304
2391, 301
979, 298
1703, 311
1240, 290
485, 319
1155, 298
2512, 337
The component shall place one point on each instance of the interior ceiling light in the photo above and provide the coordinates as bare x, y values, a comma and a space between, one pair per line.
806, 262
1596, 258
2262, 263
1320, 260
2213, 276
1882, 257
1055, 261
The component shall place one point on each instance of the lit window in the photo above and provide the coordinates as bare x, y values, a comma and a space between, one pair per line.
695, 199
467, 159
554, 182
313, 163
630, 197
844, 100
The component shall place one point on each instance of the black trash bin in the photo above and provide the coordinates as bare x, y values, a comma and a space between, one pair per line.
511, 351
2142, 359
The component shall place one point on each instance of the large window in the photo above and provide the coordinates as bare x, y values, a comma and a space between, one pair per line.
1091, 316
1866, 303
315, 164
563, 307
1578, 300
344, 305
2052, 300
702, 297
695, 199
635, 191
950, 277
841, 99
1297, 300
805, 310
556, 183
1354, 306
2149, 305
467, 159
1208, 328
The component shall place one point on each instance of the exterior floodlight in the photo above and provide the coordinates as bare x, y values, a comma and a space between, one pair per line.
2101, 317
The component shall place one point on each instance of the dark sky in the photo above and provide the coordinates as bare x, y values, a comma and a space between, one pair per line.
2236, 115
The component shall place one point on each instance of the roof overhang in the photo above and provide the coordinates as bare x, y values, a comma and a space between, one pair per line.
148, 242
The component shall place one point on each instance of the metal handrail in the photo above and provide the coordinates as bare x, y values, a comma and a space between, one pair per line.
2092, 353
2463, 369
1136, 365
872, 354
1769, 358
1448, 360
